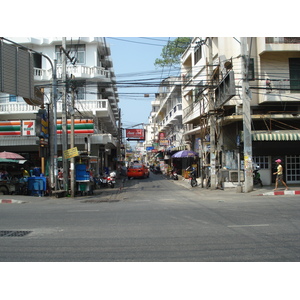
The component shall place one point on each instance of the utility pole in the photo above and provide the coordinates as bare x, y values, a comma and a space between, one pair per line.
72, 144
246, 98
64, 116
53, 133
212, 118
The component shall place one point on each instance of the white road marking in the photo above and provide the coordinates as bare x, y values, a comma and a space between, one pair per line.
253, 225
91, 210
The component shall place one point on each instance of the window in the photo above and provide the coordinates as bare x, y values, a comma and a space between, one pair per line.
261, 161
294, 65
37, 60
76, 51
197, 54
293, 168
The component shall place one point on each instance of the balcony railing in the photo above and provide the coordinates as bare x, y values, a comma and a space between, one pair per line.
282, 40
81, 105
175, 112
17, 107
187, 77
78, 71
194, 110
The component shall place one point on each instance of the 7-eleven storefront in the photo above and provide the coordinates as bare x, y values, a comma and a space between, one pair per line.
19, 136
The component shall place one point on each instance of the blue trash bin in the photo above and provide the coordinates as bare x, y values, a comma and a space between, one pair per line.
37, 186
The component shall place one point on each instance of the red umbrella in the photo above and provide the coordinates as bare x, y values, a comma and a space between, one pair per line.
11, 155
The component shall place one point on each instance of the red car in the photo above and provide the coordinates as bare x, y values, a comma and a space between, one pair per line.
137, 171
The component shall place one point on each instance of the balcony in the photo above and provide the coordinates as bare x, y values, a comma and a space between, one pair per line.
271, 44
192, 112
79, 71
278, 91
172, 117
187, 77
282, 40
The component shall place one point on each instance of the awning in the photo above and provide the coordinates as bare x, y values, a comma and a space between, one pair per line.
14, 161
256, 137
179, 148
275, 136
159, 155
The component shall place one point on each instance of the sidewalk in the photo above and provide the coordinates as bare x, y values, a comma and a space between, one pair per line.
117, 193
99, 195
257, 191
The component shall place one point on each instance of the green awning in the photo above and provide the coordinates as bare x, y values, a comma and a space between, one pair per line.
179, 148
275, 136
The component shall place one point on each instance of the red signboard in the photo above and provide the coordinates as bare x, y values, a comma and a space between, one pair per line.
135, 134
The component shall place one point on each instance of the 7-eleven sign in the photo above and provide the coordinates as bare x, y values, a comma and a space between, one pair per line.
28, 128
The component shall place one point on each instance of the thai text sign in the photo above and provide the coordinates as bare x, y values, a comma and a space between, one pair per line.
73, 152
135, 134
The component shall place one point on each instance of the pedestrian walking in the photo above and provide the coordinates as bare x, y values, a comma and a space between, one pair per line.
279, 174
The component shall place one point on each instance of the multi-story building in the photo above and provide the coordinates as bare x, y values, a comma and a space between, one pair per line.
166, 132
273, 75
95, 108
169, 115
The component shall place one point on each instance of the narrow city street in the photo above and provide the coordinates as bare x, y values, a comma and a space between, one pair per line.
152, 220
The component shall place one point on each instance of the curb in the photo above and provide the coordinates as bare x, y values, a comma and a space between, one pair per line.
5, 201
280, 193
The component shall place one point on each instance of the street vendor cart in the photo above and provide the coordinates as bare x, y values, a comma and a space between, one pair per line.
85, 167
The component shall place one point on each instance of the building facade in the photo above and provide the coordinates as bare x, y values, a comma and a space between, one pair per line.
90, 75
212, 102
165, 129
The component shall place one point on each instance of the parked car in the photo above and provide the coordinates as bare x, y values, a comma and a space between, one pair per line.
137, 171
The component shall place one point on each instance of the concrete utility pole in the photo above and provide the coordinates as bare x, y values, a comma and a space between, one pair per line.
64, 116
246, 118
212, 118
72, 144
53, 131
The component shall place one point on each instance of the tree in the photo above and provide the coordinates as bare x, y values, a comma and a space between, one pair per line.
172, 52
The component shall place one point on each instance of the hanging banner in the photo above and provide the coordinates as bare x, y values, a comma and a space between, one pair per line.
135, 134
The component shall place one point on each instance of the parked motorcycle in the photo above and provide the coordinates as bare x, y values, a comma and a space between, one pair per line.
256, 176
111, 179
106, 180
192, 176
174, 175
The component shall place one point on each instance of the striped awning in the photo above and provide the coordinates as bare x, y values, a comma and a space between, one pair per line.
179, 148
275, 136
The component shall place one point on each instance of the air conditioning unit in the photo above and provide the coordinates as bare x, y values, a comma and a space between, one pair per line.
233, 175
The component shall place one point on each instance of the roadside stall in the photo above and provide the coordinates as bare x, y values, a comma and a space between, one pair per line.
86, 167
183, 159
12, 179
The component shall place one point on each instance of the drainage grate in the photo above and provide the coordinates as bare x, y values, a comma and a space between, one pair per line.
9, 233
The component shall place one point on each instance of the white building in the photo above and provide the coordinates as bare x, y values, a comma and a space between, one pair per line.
96, 98
274, 68
165, 130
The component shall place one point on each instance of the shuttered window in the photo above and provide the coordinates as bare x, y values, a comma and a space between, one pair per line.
294, 65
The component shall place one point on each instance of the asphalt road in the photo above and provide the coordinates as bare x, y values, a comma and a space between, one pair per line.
152, 220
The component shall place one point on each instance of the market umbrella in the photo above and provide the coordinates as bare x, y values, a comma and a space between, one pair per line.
11, 155
184, 153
